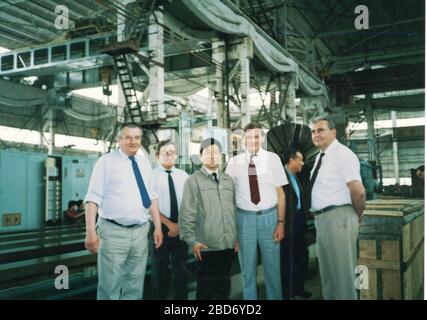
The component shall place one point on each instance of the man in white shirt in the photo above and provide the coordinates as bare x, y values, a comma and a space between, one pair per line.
337, 203
168, 183
258, 179
120, 192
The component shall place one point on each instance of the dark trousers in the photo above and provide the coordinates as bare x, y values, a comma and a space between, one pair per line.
294, 257
213, 275
169, 282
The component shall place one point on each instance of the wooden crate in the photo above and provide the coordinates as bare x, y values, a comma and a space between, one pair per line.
391, 245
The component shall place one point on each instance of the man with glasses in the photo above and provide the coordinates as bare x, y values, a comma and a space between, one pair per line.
168, 183
337, 202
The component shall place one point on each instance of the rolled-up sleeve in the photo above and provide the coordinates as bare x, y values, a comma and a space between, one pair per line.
349, 167
279, 171
187, 218
95, 192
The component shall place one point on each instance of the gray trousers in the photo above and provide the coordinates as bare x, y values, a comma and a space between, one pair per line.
122, 260
337, 232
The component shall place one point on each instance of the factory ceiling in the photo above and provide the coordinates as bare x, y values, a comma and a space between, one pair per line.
320, 36
308, 29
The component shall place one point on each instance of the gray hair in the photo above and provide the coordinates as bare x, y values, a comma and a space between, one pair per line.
130, 125
324, 117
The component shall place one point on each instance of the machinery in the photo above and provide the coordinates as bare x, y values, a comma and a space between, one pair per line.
35, 188
53, 190
368, 172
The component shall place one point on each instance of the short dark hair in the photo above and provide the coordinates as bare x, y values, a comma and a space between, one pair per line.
421, 168
79, 202
290, 153
209, 142
71, 203
253, 125
127, 125
162, 144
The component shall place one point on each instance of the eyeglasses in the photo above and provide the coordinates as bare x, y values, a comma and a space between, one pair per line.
168, 153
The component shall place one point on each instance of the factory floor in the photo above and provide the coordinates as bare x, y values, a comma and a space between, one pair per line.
312, 283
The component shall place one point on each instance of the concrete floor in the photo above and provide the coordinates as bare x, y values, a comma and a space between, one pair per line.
312, 283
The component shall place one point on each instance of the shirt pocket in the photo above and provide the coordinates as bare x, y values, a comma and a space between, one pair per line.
269, 177
208, 194
227, 195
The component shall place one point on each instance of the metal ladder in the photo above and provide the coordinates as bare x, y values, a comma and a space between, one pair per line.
133, 111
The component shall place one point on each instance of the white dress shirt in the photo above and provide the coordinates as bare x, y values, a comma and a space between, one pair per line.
339, 166
161, 187
114, 189
271, 175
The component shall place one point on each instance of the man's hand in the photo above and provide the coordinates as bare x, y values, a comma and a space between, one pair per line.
92, 241
197, 250
236, 246
158, 237
173, 230
279, 233
358, 196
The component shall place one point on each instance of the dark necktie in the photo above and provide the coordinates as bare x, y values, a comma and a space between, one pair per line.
215, 176
142, 190
314, 176
253, 182
174, 201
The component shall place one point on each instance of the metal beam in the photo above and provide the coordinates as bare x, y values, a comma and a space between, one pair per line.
11, 18
379, 26
18, 33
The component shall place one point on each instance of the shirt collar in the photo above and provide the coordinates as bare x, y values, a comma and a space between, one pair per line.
122, 154
260, 153
209, 172
331, 147
161, 168
289, 171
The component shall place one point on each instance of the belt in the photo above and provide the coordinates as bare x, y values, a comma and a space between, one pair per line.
122, 225
326, 209
259, 212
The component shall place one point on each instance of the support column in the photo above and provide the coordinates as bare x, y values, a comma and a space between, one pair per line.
210, 106
371, 128
218, 56
290, 111
184, 141
310, 53
280, 25
157, 73
245, 53
305, 107
395, 149
48, 127
41, 126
